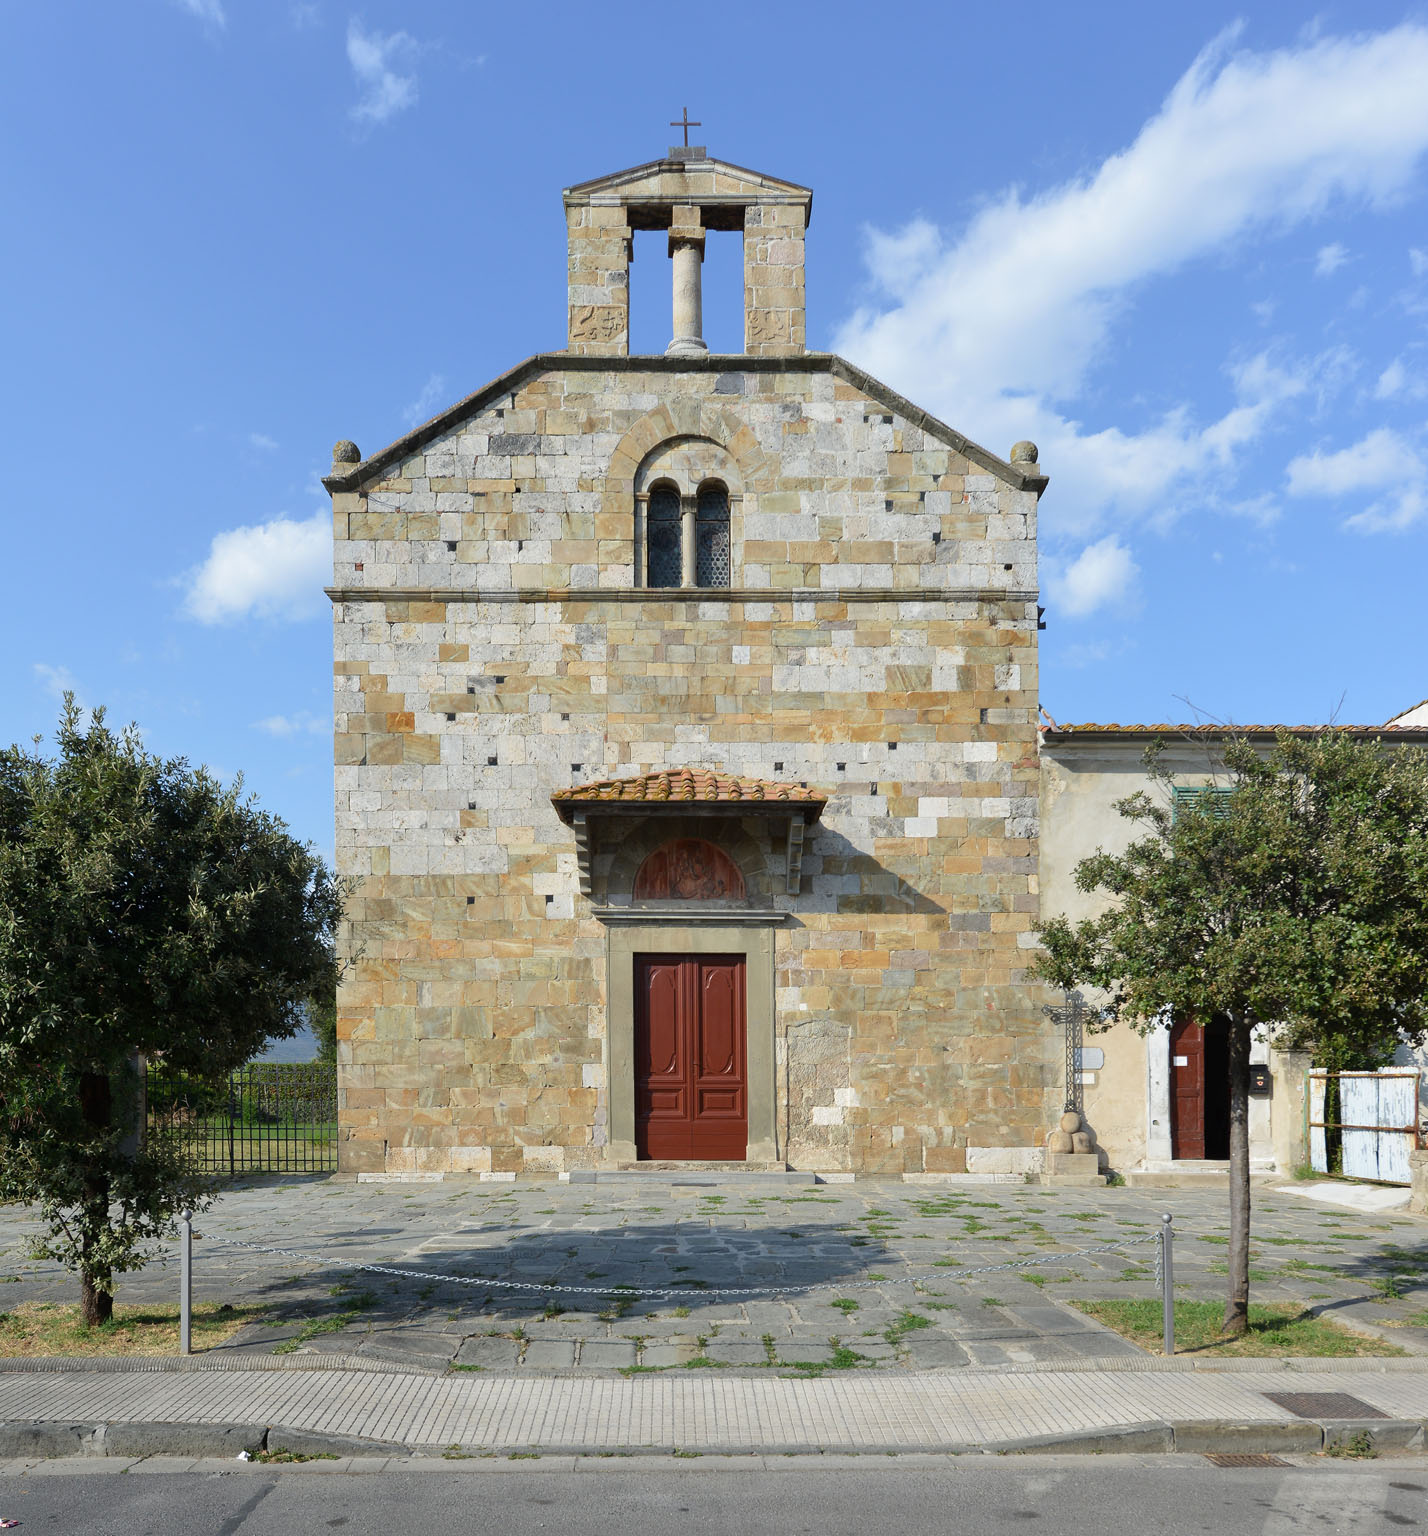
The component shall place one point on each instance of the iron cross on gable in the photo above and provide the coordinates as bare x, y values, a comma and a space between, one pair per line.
683, 122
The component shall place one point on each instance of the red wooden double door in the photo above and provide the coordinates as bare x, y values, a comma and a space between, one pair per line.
691, 1058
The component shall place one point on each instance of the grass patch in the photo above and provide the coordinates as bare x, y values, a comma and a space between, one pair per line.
45, 1328
1273, 1329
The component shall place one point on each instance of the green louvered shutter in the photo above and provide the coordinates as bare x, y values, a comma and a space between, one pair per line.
1184, 797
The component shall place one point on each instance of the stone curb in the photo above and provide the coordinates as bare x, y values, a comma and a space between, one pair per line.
107, 1365
45, 1440
1206, 1436
386, 1365
313, 1442
37, 1437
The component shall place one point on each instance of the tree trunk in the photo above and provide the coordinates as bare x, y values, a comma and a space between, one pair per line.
96, 1101
97, 1306
1237, 1294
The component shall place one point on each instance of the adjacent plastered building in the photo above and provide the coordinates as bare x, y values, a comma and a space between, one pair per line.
1159, 1102
686, 752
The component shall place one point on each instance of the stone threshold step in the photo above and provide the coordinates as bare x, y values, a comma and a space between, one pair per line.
709, 1175
1190, 1173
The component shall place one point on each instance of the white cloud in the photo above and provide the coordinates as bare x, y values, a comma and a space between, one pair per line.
261, 440
375, 60
1102, 575
207, 11
270, 570
1376, 460
1330, 259
303, 14
1261, 510
303, 723
1382, 461
56, 681
1418, 261
1391, 380
426, 404
1000, 324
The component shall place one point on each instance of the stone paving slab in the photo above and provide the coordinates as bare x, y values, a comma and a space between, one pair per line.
853, 1263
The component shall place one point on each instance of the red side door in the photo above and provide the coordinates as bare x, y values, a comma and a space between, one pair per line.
1187, 1089
691, 1075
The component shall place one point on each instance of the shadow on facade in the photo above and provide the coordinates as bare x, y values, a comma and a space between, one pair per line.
871, 885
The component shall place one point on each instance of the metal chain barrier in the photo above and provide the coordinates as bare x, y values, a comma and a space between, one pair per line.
689, 1289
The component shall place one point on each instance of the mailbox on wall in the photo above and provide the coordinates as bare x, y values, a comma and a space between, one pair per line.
1260, 1081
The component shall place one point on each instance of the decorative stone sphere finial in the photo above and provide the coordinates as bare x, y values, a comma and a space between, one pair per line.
345, 452
1024, 452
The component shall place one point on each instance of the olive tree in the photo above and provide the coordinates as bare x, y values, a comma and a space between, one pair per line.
146, 911
1298, 906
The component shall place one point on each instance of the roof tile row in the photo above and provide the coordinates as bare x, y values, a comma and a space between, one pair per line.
688, 784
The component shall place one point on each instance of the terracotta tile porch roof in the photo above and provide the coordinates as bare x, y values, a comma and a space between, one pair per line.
1055, 729
685, 786
1165, 729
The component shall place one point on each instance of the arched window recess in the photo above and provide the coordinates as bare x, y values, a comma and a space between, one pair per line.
711, 556
664, 538
687, 509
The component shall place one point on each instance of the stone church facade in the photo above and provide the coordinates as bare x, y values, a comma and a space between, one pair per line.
686, 748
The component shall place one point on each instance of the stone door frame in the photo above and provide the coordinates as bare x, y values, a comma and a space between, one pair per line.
685, 934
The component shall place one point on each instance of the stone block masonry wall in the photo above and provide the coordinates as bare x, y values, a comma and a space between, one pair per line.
878, 644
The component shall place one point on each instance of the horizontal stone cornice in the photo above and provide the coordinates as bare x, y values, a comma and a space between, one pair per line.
661, 596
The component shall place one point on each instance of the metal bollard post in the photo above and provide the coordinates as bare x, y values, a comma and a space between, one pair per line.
1167, 1280
186, 1283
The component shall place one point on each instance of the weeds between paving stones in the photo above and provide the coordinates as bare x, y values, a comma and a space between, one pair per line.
358, 1302
905, 1323
842, 1359
1413, 1320
1273, 1329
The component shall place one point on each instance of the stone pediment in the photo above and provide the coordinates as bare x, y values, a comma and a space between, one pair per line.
650, 192
359, 473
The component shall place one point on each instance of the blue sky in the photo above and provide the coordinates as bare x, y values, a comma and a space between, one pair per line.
1183, 248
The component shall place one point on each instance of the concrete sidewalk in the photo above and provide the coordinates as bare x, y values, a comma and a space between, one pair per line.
1146, 1405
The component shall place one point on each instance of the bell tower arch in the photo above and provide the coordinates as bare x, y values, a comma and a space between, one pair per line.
688, 194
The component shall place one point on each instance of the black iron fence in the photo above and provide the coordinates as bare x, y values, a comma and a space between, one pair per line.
268, 1117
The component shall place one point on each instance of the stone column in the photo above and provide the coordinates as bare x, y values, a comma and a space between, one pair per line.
642, 554
1288, 1120
686, 250
688, 550
1418, 1190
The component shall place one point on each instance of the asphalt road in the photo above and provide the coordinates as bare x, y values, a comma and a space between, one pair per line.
1101, 1496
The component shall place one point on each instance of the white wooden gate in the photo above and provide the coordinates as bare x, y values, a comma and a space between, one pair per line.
1376, 1124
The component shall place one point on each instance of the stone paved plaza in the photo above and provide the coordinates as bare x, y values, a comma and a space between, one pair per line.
877, 1273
